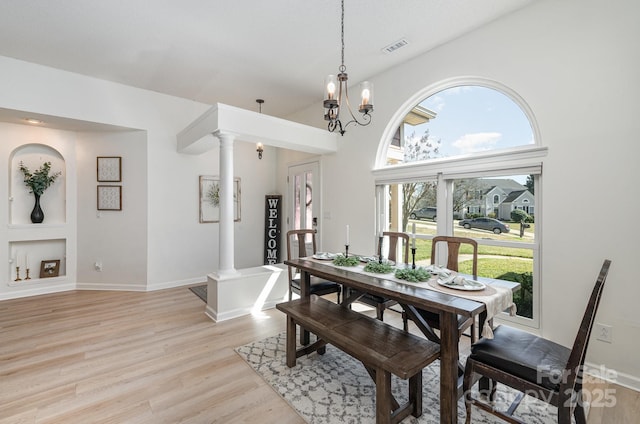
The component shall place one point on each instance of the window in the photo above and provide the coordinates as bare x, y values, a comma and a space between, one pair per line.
473, 157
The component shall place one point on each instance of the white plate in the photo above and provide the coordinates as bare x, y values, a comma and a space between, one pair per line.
366, 259
324, 256
480, 286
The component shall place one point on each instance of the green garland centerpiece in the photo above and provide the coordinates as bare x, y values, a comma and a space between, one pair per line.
378, 268
342, 260
38, 181
413, 275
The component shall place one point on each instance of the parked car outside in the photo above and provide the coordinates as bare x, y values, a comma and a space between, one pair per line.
489, 224
424, 213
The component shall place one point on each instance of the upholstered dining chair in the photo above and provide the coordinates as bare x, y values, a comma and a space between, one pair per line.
396, 239
453, 254
533, 365
318, 287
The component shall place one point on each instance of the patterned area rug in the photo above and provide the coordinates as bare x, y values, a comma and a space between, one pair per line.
335, 388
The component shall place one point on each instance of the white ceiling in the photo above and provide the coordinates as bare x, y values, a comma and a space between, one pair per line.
233, 51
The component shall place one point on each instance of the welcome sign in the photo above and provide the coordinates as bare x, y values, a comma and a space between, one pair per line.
272, 228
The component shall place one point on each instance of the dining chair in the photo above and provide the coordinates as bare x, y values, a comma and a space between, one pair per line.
453, 255
318, 287
396, 239
530, 364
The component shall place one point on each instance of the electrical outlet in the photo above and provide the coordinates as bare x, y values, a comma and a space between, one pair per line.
98, 266
604, 332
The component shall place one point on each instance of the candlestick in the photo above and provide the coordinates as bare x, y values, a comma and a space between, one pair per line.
18, 274
380, 239
413, 258
413, 239
27, 277
346, 250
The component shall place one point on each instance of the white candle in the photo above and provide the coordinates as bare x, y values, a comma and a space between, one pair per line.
26, 261
413, 240
17, 258
347, 236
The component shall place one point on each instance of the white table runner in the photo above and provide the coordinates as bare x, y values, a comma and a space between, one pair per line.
496, 300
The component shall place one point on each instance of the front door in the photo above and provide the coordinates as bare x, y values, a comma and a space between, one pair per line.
304, 192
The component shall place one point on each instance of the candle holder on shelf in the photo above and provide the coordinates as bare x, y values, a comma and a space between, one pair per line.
413, 258
346, 250
18, 274
27, 277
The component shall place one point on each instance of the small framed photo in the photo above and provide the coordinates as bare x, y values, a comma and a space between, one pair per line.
210, 199
109, 198
50, 268
109, 168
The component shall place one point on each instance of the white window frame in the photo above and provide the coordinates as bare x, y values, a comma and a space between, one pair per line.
522, 160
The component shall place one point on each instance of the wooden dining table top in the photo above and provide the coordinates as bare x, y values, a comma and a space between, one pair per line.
404, 292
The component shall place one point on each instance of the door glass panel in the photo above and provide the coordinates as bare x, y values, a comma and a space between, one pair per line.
308, 200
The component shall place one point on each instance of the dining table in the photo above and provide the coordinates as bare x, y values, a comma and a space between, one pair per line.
412, 296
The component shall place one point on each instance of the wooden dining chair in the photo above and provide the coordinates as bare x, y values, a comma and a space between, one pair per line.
396, 239
533, 365
318, 287
453, 255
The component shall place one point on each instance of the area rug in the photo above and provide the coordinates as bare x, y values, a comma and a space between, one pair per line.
200, 291
335, 388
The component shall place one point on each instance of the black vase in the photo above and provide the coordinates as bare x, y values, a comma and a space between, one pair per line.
37, 216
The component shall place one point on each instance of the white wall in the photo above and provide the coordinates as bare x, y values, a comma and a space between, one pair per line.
576, 65
179, 250
116, 239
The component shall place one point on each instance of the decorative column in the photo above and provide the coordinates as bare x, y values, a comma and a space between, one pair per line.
226, 236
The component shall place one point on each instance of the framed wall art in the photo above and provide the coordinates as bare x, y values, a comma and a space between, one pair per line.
210, 199
50, 268
109, 198
109, 168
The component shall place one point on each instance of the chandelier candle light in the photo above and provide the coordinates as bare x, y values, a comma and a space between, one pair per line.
333, 103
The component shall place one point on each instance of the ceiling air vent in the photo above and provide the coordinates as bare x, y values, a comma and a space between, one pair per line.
395, 46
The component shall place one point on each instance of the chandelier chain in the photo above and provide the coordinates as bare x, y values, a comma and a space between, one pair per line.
342, 67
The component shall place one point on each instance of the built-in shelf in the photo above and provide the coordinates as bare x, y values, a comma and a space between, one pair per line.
32, 281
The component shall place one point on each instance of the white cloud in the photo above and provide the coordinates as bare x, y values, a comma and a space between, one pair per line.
477, 142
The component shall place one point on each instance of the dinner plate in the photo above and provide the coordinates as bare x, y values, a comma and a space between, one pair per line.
477, 286
324, 256
367, 259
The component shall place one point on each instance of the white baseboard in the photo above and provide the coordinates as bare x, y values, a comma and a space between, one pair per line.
612, 376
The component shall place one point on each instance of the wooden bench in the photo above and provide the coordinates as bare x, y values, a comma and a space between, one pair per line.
382, 349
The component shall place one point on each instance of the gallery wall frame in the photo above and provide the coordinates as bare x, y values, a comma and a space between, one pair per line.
209, 189
109, 198
109, 168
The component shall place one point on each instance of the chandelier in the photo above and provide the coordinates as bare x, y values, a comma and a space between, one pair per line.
333, 103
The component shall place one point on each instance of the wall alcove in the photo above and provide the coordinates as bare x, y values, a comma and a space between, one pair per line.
29, 243
53, 200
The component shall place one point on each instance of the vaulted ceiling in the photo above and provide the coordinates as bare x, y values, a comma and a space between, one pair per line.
234, 51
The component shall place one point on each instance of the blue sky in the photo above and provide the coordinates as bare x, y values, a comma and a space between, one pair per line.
474, 119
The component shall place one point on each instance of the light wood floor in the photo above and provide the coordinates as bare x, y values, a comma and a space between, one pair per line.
124, 357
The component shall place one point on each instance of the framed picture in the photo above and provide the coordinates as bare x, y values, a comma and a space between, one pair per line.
210, 199
109, 168
109, 198
50, 268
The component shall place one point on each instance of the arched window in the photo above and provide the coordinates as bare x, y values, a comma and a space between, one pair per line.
469, 150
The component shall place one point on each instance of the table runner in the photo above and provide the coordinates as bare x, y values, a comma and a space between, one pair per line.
497, 300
